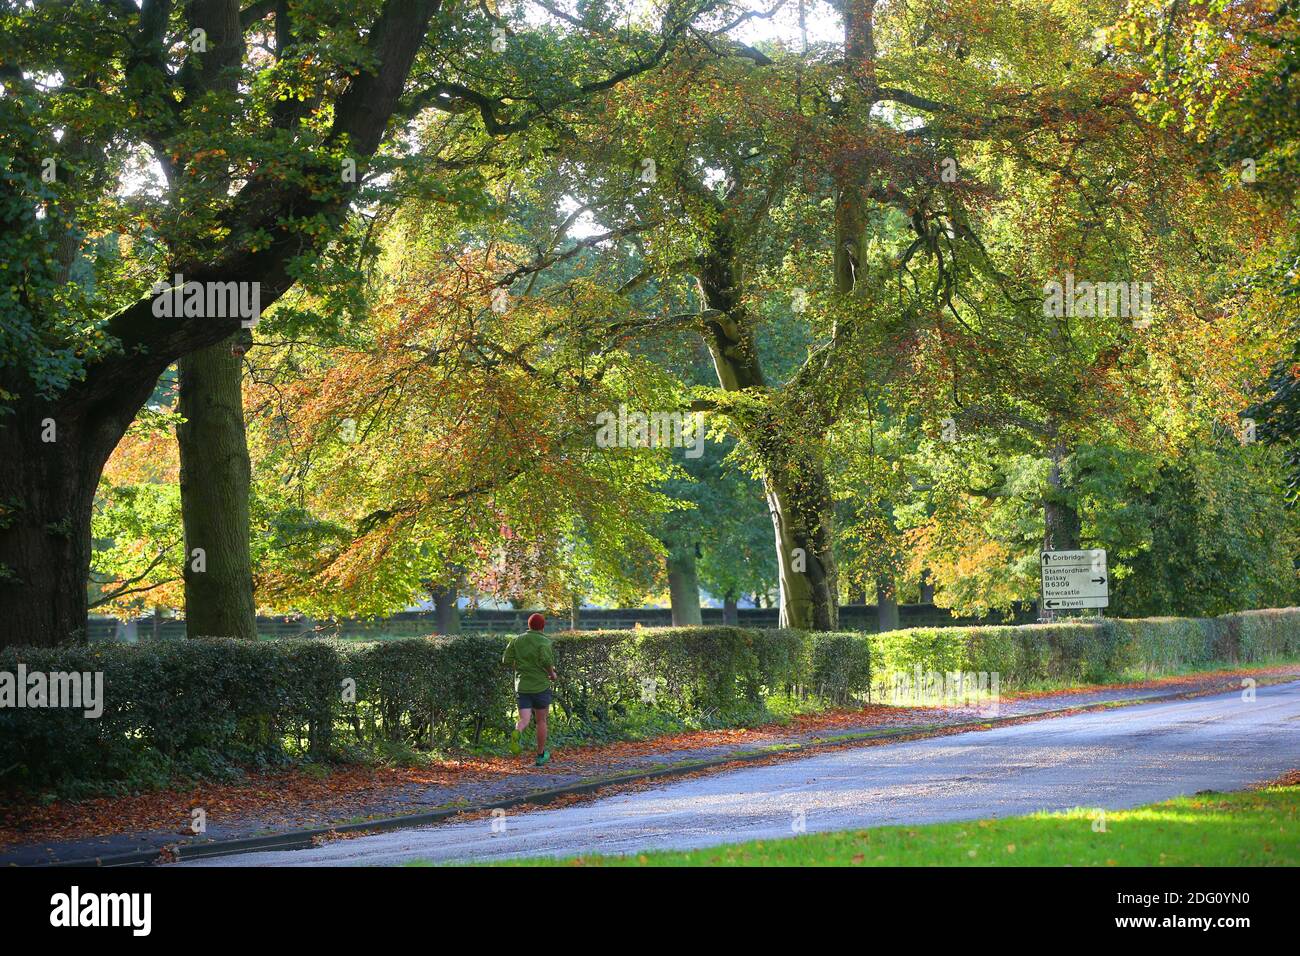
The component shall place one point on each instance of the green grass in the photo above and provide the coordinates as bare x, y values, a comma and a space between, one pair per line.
1250, 828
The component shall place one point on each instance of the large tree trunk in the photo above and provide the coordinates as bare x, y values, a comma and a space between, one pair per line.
215, 474
684, 588
850, 194
927, 587
446, 608
215, 470
1061, 523
802, 520
794, 481
730, 611
44, 537
47, 492
886, 603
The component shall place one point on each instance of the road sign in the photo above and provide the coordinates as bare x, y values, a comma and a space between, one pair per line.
1075, 579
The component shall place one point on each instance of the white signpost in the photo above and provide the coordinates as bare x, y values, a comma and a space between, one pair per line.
1075, 579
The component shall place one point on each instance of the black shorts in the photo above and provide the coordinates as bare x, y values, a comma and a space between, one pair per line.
536, 701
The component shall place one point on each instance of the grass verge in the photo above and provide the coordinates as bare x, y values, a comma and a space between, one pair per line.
1248, 828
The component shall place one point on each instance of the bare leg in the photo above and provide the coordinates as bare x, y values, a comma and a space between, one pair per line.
524, 715
541, 729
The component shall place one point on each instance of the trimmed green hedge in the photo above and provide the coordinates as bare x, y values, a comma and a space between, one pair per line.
1068, 652
203, 705
208, 705
1091, 651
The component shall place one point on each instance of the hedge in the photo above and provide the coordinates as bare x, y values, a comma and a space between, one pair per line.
1090, 651
208, 705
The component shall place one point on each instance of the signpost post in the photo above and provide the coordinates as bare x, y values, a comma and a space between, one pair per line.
1073, 580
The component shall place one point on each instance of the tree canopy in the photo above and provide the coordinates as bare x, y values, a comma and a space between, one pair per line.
948, 283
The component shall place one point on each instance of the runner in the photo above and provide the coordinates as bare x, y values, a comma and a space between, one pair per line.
533, 660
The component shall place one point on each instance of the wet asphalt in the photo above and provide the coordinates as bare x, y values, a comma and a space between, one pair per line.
1111, 759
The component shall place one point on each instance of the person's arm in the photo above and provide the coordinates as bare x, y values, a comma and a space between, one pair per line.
549, 660
508, 658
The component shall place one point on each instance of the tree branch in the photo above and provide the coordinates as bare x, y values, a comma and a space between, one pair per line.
126, 585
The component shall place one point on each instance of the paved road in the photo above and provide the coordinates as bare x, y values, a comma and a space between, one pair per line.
1112, 759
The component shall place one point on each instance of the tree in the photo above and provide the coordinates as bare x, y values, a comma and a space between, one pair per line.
1206, 534
257, 234
258, 175
761, 150
1223, 74
453, 438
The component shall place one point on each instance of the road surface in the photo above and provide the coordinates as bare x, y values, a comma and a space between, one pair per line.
1112, 759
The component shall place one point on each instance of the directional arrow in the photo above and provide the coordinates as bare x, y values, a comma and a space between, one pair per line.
1053, 603
1101, 580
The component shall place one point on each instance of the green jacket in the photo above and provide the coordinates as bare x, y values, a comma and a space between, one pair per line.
533, 658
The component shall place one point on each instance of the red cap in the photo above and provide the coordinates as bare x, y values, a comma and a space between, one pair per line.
536, 622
